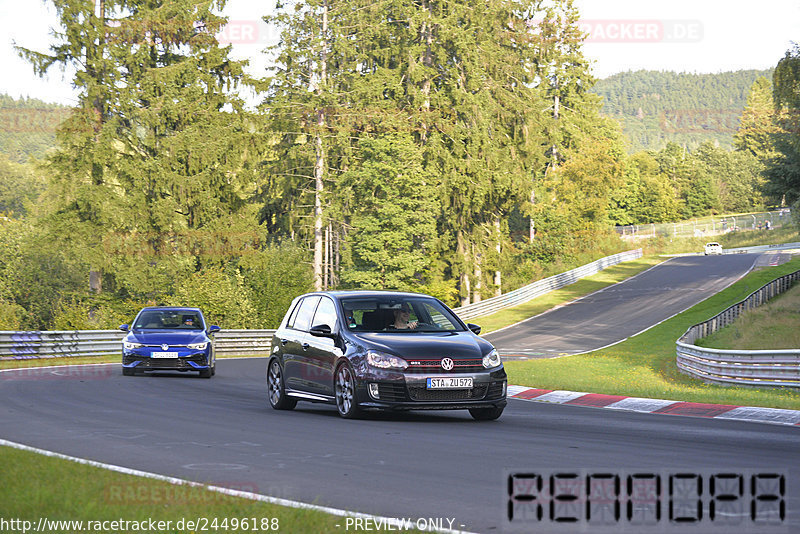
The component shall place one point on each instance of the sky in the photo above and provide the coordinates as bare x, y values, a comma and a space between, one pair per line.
676, 35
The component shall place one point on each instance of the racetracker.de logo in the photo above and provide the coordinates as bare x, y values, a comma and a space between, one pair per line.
641, 31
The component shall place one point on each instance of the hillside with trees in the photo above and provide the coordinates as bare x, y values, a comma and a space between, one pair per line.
454, 148
656, 108
28, 127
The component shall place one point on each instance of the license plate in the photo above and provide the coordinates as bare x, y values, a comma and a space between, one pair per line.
450, 382
163, 354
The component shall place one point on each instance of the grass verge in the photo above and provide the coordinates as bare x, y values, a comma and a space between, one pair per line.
644, 365
49, 362
34, 487
772, 326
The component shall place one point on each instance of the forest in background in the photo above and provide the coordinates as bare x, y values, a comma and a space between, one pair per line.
688, 109
396, 146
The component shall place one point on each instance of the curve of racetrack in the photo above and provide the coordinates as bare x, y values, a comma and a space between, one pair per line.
440, 464
622, 310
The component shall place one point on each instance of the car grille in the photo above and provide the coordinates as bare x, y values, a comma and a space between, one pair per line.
165, 363
495, 390
423, 394
459, 366
392, 392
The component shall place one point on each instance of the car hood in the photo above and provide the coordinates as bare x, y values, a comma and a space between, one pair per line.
170, 337
427, 345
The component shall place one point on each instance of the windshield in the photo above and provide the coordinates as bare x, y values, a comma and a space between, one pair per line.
398, 314
168, 320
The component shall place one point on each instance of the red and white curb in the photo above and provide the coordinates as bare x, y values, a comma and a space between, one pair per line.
658, 406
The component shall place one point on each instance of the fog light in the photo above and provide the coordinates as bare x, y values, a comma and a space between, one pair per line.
373, 391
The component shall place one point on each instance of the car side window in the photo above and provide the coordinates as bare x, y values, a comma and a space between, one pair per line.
326, 314
305, 313
293, 317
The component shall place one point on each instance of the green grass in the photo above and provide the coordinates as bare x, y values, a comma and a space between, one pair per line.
582, 287
644, 365
774, 325
48, 362
785, 234
33, 486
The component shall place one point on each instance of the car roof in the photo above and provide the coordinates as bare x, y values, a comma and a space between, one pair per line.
369, 293
170, 308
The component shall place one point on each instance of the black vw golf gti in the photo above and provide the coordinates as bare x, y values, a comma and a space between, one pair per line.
383, 350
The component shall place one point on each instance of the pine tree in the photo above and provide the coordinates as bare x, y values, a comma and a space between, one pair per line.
158, 147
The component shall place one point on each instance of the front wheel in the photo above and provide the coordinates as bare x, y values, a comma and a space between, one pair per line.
486, 414
276, 390
345, 388
128, 371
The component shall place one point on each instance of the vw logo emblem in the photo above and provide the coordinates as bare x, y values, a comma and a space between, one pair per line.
447, 364
164, 347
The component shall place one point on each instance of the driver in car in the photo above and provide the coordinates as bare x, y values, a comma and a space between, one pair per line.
401, 316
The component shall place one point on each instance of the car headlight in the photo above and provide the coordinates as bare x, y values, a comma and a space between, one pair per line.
130, 345
491, 360
197, 346
385, 361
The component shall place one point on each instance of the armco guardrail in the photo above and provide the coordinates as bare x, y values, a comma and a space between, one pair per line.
740, 367
75, 343
540, 287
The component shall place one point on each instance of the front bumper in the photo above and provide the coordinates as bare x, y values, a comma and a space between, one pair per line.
188, 362
401, 391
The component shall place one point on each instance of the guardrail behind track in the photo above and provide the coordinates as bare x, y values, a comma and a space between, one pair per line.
740, 367
77, 343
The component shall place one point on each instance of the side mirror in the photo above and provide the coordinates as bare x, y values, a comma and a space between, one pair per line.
213, 329
475, 329
124, 327
321, 330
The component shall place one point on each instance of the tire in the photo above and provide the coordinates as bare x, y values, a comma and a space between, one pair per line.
276, 391
206, 373
486, 414
128, 371
344, 385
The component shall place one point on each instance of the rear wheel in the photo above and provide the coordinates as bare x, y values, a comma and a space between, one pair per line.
345, 388
486, 414
276, 390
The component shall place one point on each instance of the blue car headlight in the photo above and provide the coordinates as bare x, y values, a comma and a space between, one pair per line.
197, 346
492, 360
382, 360
130, 345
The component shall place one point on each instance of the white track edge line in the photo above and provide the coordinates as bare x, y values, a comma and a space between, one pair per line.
225, 491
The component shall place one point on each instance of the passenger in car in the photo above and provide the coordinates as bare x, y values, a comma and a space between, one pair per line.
401, 316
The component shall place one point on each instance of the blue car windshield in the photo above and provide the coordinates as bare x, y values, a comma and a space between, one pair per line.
168, 320
399, 315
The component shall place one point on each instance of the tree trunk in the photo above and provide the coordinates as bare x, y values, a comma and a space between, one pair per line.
497, 278
319, 164
476, 296
463, 278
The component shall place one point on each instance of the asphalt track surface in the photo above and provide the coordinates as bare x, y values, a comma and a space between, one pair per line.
407, 465
412, 465
622, 310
